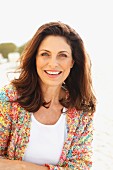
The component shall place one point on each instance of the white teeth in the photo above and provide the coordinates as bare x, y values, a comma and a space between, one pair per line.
51, 72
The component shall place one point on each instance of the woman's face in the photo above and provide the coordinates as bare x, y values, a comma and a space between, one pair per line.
53, 61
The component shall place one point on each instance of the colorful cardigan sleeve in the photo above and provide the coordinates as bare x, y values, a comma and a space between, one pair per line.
80, 152
5, 123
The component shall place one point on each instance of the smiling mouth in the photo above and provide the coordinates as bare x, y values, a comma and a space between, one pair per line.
53, 72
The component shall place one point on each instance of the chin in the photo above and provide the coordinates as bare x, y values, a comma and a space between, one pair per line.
52, 84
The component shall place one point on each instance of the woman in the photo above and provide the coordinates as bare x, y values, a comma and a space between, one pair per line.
46, 114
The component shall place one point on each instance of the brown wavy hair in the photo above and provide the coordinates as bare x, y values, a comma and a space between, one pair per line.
78, 83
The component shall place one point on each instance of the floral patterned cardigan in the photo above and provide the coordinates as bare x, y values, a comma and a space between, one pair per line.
15, 132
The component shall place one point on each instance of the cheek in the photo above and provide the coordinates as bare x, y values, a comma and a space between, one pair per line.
39, 63
68, 65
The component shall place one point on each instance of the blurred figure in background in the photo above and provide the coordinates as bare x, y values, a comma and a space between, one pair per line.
46, 115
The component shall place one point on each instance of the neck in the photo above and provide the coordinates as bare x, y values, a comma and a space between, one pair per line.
52, 94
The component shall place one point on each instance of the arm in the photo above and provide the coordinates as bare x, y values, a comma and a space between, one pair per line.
5, 127
6, 164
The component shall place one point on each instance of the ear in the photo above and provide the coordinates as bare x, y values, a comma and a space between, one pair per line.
72, 63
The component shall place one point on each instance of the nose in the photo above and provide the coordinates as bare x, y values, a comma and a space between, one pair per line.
53, 61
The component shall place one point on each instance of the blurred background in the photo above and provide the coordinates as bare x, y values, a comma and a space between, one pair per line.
19, 20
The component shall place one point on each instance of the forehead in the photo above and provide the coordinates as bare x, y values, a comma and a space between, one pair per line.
55, 42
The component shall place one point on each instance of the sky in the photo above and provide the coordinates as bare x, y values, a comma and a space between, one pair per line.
19, 19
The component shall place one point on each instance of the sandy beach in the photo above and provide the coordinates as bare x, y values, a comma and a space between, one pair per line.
103, 141
103, 125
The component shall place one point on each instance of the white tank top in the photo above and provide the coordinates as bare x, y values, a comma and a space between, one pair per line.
46, 141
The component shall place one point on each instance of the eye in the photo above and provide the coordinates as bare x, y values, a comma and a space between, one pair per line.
44, 54
63, 55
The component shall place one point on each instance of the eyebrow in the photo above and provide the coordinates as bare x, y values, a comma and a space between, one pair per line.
45, 50
58, 52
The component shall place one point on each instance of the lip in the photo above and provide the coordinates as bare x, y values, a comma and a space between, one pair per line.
50, 75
